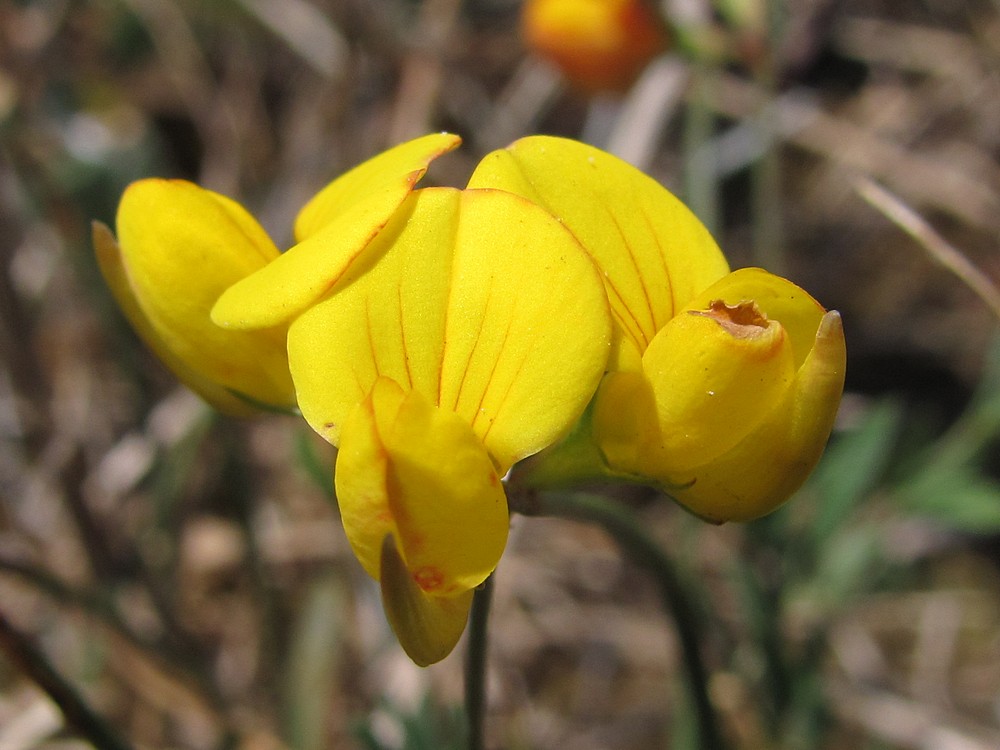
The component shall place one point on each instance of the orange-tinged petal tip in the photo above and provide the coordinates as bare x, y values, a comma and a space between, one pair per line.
773, 460
775, 297
714, 379
416, 471
446, 498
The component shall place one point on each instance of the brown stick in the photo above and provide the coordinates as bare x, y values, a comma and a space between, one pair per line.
79, 716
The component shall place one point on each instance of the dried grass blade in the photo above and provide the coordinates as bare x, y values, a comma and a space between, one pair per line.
900, 214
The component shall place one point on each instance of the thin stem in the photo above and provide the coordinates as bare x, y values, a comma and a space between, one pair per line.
100, 605
80, 718
633, 539
238, 477
701, 172
765, 173
762, 609
475, 665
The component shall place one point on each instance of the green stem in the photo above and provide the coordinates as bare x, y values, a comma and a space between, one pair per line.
643, 550
762, 608
79, 717
475, 665
238, 482
701, 174
97, 605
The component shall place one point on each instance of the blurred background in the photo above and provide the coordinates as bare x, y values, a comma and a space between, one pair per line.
187, 574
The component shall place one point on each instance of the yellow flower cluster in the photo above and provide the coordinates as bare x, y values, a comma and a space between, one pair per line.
563, 306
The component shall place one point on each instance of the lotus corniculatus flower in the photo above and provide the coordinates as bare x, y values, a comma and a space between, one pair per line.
723, 387
467, 333
564, 307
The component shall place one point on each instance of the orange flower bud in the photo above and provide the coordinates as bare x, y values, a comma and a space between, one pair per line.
599, 45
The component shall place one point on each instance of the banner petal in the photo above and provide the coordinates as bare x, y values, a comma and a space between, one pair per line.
654, 253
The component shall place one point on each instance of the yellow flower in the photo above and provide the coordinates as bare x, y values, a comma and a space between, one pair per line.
722, 387
598, 45
179, 247
469, 332
736, 398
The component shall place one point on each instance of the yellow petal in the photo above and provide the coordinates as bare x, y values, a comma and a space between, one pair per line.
179, 247
625, 356
763, 471
480, 301
624, 421
362, 475
336, 229
446, 498
394, 172
428, 627
384, 318
654, 253
109, 260
418, 472
715, 374
528, 326
778, 298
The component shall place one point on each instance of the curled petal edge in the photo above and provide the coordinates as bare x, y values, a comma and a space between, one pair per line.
773, 461
399, 167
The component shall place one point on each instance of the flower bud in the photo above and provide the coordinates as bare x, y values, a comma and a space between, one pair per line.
737, 397
598, 45
179, 247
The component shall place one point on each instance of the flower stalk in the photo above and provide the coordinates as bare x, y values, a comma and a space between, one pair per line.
475, 665
621, 524
80, 718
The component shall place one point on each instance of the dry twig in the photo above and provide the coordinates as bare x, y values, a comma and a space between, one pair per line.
894, 209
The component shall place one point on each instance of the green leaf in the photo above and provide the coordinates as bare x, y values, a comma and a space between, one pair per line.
979, 425
429, 726
852, 466
846, 566
314, 661
961, 499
